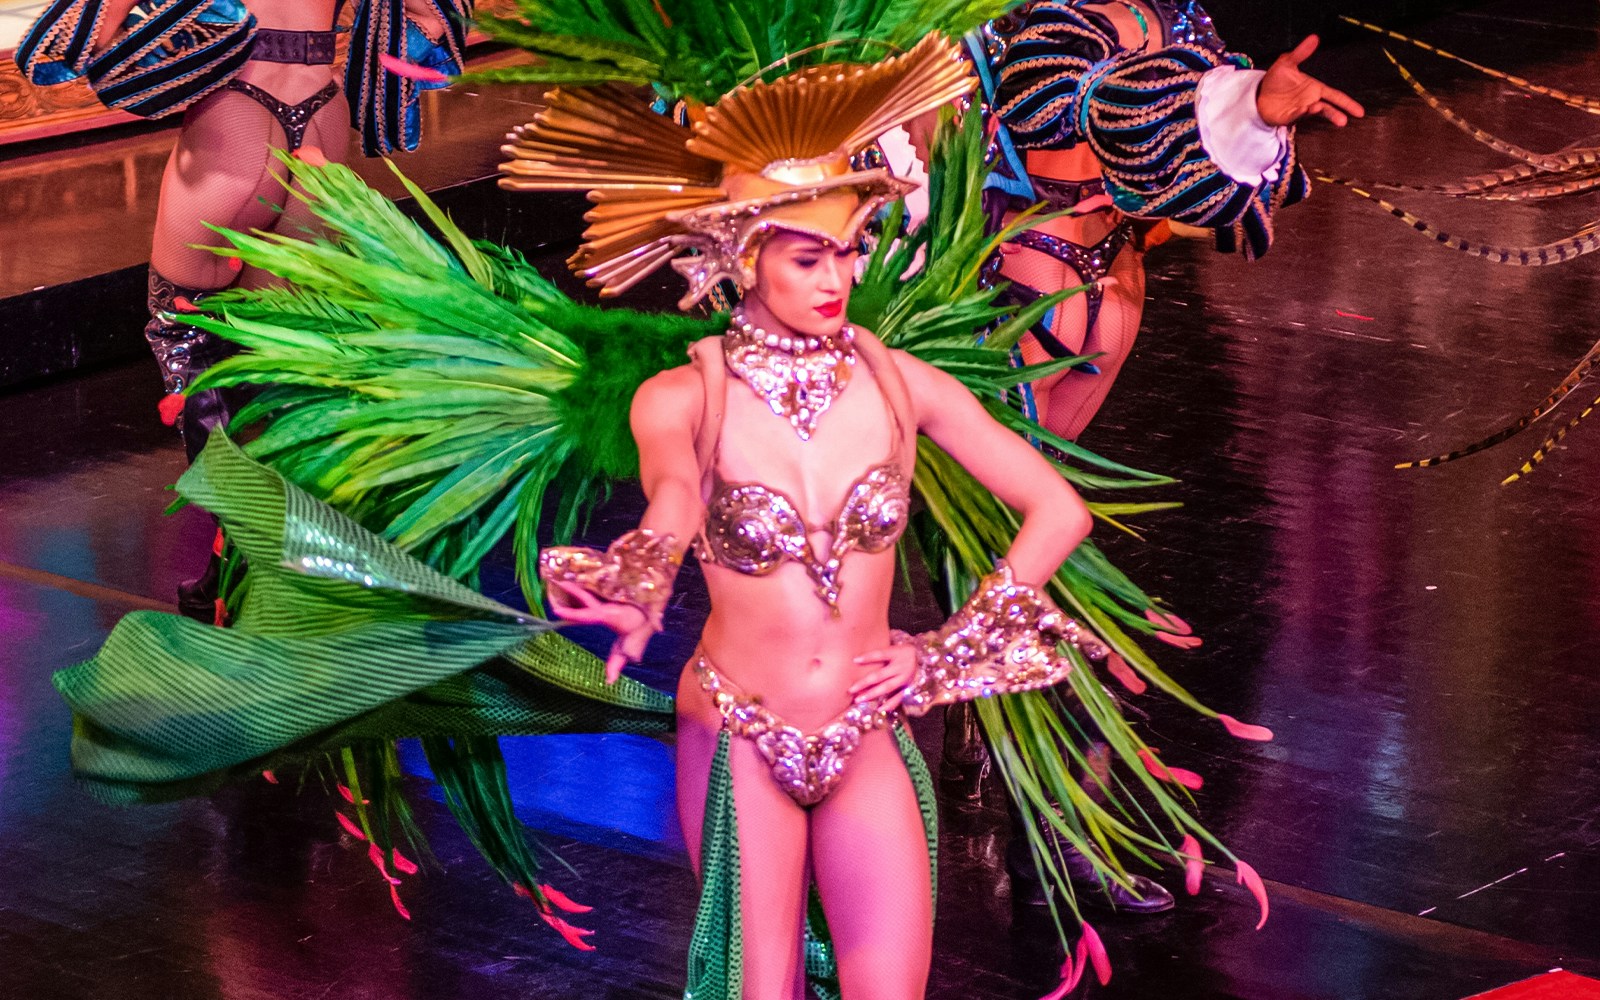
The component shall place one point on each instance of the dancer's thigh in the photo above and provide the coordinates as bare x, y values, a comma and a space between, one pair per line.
219, 173
869, 856
1076, 397
1039, 270
773, 870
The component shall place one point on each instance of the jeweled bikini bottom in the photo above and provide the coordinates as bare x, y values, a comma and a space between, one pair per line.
807, 766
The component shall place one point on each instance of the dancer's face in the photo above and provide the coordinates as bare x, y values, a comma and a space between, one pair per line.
803, 283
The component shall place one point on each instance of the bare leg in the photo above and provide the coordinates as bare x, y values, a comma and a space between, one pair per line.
773, 876
1068, 401
870, 857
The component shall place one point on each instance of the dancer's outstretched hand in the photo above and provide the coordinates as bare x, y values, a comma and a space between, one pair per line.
634, 629
1287, 94
898, 668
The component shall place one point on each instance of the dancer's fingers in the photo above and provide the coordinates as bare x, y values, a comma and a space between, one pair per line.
1343, 101
1300, 53
1330, 112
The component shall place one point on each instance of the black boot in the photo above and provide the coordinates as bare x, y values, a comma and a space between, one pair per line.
184, 351
1088, 886
965, 764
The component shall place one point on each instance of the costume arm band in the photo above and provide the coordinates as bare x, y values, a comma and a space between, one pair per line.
638, 569
1004, 639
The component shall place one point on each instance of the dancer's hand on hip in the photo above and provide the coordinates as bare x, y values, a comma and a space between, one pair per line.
897, 669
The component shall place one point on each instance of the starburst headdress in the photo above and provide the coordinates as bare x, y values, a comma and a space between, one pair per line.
765, 155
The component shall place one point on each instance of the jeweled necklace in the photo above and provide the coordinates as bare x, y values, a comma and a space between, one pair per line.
798, 376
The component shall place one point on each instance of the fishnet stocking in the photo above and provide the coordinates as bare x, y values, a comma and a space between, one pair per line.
223, 172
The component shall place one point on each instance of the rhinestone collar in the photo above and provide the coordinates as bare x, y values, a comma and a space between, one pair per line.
798, 377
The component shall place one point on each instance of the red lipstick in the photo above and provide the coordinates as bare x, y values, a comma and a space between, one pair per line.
831, 309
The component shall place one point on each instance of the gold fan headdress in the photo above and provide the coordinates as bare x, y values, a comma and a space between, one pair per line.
765, 155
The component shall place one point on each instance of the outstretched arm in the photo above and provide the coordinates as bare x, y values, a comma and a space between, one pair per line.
1186, 133
665, 414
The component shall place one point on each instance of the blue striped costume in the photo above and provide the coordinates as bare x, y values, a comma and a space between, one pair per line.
1061, 77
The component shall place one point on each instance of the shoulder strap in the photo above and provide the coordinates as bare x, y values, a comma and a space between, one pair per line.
706, 355
882, 363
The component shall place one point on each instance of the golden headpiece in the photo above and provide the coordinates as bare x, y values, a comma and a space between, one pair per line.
765, 155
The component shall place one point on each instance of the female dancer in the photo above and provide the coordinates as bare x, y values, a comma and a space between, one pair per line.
806, 635
1213, 118
798, 679
785, 452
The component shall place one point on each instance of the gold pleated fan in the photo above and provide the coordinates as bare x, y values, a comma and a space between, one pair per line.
767, 154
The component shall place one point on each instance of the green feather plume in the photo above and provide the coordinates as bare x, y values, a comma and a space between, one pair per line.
700, 50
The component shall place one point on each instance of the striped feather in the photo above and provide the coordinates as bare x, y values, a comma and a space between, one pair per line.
1550, 442
1580, 101
1584, 241
1557, 395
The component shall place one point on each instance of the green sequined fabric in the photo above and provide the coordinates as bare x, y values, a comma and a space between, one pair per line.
341, 637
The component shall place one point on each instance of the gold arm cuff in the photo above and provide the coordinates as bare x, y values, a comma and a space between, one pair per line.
1003, 640
638, 569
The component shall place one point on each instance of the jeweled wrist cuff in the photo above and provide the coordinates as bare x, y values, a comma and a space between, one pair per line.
638, 569
1001, 641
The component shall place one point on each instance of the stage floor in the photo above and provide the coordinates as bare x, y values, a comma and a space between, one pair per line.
1423, 643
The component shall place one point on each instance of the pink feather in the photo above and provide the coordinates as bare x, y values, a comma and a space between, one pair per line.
1194, 864
1245, 730
1250, 880
411, 71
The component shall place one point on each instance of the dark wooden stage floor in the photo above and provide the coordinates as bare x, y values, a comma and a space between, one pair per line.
1425, 645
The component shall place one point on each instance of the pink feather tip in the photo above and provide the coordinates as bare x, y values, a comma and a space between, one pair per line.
1180, 641
375, 855
399, 907
1168, 620
1091, 947
1245, 730
572, 935
562, 901
1175, 775
349, 827
170, 408
411, 71
1118, 668
271, 779
1070, 974
1194, 864
1248, 878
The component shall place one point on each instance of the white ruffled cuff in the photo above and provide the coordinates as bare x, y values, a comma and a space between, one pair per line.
1242, 146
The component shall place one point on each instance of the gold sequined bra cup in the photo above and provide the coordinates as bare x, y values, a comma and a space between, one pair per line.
753, 529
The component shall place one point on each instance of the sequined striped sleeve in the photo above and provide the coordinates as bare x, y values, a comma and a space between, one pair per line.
386, 108
1064, 79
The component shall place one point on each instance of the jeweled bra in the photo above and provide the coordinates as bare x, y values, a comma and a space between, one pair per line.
753, 529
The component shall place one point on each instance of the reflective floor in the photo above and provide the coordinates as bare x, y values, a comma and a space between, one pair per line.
1423, 643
